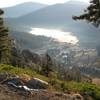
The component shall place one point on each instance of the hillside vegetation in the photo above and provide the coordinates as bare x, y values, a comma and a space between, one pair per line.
85, 89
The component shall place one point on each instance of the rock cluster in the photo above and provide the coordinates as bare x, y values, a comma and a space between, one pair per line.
29, 89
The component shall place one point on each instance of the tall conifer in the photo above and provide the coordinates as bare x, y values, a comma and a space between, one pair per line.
92, 13
5, 41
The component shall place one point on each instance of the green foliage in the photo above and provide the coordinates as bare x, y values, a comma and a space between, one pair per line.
5, 42
1, 12
92, 13
82, 88
20, 71
58, 85
47, 65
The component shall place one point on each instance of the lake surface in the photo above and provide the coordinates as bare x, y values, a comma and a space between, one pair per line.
58, 35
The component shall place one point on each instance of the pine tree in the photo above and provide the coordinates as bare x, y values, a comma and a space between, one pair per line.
92, 13
47, 65
4, 41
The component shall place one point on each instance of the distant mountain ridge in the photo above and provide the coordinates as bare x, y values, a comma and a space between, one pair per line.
52, 13
22, 9
59, 16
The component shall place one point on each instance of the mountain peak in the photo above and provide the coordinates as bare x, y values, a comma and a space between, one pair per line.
25, 4
76, 2
22, 9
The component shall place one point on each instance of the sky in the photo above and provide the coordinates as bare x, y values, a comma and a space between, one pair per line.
7, 3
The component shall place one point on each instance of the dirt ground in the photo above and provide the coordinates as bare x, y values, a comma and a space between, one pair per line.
10, 93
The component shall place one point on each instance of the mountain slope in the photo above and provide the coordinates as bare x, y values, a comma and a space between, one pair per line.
59, 16
55, 14
33, 42
22, 9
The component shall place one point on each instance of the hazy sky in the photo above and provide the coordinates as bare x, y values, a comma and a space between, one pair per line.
5, 3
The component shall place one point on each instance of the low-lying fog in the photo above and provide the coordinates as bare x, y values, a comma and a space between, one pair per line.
56, 34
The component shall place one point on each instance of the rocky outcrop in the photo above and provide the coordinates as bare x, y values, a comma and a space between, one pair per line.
9, 93
23, 82
27, 88
24, 58
36, 83
30, 57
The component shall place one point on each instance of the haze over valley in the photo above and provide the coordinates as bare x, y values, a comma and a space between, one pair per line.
57, 17
47, 27
46, 53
